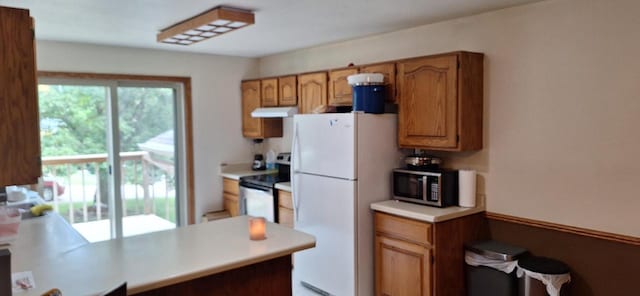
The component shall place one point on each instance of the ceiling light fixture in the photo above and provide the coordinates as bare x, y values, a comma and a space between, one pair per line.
217, 21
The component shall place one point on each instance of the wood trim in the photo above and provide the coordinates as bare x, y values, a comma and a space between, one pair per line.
188, 118
207, 17
565, 228
327, 70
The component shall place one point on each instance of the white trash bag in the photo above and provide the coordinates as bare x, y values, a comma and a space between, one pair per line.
474, 259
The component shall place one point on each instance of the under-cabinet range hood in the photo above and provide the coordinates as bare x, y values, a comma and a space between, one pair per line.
274, 112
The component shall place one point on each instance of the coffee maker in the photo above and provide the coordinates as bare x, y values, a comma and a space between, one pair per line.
258, 163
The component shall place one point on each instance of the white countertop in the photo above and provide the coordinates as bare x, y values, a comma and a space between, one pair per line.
286, 186
154, 260
236, 171
41, 239
422, 212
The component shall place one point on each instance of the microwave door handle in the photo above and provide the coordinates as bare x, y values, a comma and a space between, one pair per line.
424, 186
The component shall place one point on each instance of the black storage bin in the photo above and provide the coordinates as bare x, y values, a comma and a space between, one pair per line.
487, 278
530, 286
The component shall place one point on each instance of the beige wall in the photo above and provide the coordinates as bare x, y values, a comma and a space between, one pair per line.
217, 131
561, 104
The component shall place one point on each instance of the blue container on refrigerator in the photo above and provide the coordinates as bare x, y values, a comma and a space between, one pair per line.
369, 92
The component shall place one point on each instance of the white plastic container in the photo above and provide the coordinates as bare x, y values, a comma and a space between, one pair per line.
271, 159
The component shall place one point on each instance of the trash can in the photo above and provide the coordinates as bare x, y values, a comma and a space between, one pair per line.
490, 269
541, 276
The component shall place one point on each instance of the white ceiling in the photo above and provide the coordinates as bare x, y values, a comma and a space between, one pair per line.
281, 25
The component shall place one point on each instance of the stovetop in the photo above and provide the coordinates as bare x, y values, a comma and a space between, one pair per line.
267, 180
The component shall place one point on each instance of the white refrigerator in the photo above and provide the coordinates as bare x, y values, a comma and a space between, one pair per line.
341, 163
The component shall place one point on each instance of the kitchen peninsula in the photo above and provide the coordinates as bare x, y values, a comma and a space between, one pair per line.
214, 258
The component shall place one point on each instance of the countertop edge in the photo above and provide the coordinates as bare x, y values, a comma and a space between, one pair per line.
198, 274
286, 186
236, 175
433, 218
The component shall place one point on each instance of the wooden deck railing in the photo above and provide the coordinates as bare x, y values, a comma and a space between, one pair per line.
93, 199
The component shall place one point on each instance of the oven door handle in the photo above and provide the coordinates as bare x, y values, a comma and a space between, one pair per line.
256, 187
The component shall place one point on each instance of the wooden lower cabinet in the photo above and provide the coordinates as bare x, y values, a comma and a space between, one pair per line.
231, 196
285, 208
420, 258
402, 268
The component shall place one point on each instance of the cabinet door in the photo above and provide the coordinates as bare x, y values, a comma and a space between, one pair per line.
389, 72
340, 92
288, 95
427, 113
285, 208
230, 195
269, 92
231, 204
19, 123
251, 127
402, 268
312, 91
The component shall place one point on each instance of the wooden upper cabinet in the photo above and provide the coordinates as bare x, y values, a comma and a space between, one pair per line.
256, 127
251, 127
312, 91
288, 91
340, 92
269, 92
388, 70
19, 118
440, 102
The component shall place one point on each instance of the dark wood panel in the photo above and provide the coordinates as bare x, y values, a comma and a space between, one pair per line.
188, 117
598, 266
470, 88
19, 123
450, 237
565, 228
269, 278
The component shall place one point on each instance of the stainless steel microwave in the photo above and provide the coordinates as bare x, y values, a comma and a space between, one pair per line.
438, 188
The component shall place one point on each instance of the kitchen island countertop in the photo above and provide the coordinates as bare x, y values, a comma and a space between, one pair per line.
422, 212
153, 260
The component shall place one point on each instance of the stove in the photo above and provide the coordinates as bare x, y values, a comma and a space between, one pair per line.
269, 180
258, 196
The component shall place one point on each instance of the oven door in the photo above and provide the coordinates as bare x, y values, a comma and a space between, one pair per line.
257, 201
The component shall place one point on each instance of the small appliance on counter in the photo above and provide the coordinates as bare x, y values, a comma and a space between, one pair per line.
258, 163
434, 187
422, 162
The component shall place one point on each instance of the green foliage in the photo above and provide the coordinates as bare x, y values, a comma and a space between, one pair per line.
74, 120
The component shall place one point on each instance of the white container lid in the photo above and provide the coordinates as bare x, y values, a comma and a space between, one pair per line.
365, 78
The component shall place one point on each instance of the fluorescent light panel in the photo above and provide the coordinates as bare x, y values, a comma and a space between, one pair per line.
215, 22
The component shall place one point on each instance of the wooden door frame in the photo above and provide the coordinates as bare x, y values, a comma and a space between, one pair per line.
188, 117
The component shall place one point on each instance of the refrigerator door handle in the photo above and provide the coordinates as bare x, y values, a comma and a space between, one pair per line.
295, 152
296, 197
